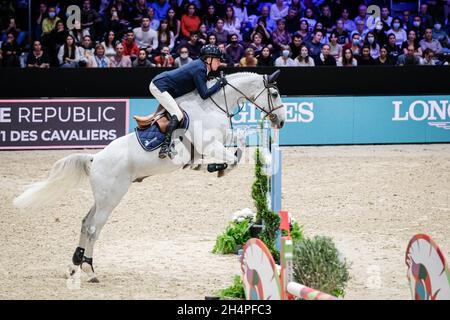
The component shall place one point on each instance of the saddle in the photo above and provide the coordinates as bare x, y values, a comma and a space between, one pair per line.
160, 116
151, 129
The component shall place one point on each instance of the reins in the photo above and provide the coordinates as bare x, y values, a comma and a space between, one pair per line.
269, 113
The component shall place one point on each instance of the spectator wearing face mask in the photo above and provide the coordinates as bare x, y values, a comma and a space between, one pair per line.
354, 45
371, 42
49, 23
427, 59
398, 31
418, 27
440, 35
429, 42
325, 58
235, 49
284, 60
380, 34
304, 59
183, 58
409, 58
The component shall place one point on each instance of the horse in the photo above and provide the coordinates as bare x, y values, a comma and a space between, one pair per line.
112, 170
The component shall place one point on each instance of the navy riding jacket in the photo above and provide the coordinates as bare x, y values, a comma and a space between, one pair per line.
185, 79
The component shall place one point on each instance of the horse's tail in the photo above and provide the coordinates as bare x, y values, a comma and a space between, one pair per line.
65, 174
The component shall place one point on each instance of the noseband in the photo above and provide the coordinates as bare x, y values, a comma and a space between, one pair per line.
268, 114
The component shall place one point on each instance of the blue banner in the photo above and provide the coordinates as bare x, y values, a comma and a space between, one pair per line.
350, 120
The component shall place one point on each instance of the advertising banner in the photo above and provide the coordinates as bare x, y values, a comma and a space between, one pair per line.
350, 120
57, 124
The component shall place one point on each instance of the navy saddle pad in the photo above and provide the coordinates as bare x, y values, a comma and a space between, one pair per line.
151, 138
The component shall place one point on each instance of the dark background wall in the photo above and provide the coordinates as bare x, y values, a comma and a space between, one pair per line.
133, 83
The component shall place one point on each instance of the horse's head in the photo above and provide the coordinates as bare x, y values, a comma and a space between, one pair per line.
268, 101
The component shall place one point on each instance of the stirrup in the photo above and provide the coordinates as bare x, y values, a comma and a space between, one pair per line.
171, 152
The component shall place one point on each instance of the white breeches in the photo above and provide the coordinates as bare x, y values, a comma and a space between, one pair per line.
166, 101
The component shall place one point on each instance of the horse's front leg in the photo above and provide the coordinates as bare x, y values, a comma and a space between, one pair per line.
224, 158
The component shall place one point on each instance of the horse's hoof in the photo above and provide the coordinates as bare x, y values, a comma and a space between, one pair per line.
93, 280
71, 270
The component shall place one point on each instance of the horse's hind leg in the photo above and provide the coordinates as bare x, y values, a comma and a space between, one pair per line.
106, 199
78, 255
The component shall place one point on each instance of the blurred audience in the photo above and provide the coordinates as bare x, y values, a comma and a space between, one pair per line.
250, 33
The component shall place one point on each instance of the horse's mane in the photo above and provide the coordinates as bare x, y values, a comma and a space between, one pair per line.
192, 96
237, 75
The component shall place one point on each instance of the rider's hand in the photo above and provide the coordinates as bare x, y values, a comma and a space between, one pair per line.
223, 82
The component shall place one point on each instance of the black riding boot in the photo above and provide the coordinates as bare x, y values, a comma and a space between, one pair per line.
165, 146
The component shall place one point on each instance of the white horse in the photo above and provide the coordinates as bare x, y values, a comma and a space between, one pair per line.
112, 170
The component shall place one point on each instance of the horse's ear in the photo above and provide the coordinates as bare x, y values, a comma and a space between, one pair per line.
274, 76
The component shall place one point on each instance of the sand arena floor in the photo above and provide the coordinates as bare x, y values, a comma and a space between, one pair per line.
157, 245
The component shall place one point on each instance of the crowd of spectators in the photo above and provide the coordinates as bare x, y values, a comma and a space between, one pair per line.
163, 33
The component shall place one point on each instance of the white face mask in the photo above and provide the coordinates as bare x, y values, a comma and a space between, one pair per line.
184, 55
438, 26
285, 53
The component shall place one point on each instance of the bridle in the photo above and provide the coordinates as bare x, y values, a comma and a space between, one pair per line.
268, 114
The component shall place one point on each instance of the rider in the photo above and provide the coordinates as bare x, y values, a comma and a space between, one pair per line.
169, 85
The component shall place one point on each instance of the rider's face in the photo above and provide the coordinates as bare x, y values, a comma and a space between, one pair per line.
215, 64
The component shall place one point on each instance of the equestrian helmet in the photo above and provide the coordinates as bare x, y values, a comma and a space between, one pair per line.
210, 51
